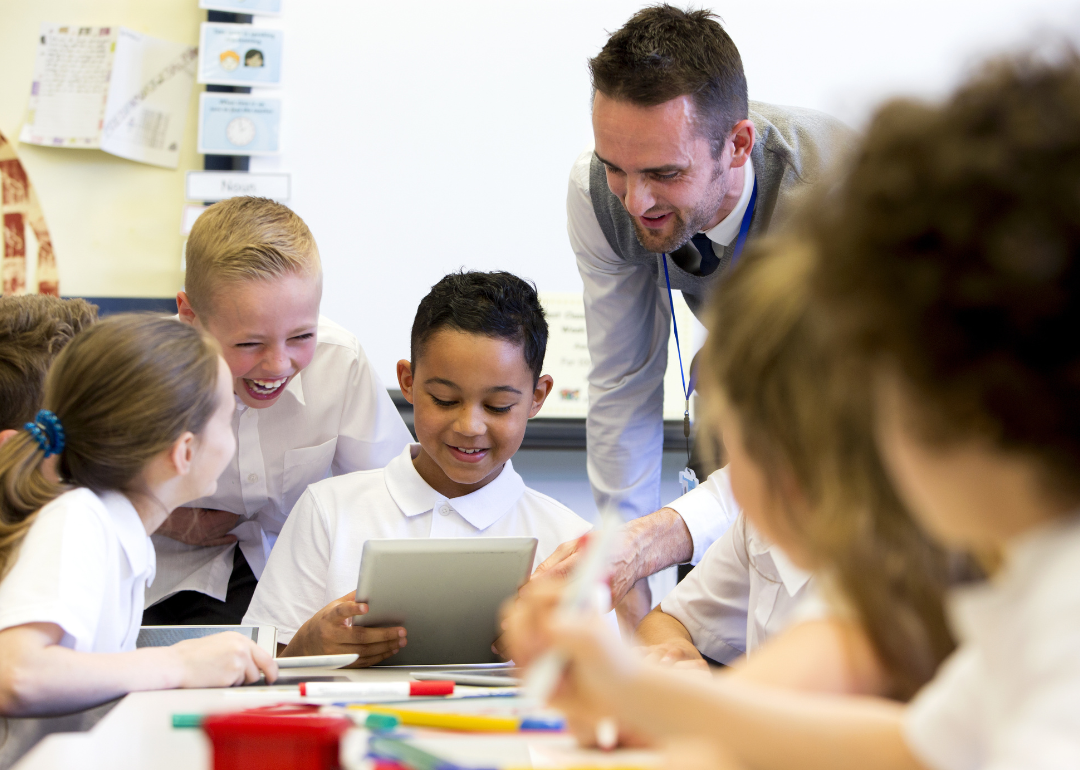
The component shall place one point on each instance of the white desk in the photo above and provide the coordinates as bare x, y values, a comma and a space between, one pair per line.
138, 733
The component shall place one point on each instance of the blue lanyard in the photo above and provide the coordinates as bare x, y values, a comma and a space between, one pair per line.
740, 242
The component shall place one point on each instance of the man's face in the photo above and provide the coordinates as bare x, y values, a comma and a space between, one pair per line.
662, 168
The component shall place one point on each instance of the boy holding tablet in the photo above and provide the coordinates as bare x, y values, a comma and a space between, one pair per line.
474, 380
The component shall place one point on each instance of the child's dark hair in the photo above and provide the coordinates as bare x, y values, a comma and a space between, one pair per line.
34, 328
497, 304
953, 251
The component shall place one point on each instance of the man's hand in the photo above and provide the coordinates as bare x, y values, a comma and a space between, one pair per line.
200, 526
646, 546
624, 563
331, 632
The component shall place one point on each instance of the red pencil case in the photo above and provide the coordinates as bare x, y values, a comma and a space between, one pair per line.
276, 738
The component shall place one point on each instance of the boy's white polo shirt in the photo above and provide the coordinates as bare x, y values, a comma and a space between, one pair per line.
1009, 697
84, 565
317, 557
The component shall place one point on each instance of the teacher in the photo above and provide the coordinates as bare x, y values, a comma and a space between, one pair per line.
683, 170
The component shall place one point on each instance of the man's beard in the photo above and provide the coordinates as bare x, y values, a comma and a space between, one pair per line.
684, 227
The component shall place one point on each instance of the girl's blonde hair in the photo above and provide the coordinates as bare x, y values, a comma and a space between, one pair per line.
805, 414
123, 390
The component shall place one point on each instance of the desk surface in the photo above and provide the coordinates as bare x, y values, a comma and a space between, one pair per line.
138, 732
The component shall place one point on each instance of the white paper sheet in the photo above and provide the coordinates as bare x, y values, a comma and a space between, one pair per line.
111, 88
71, 81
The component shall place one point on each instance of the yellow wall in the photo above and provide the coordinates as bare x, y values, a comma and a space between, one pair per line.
115, 223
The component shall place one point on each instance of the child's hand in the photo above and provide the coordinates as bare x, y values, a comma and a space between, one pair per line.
223, 660
199, 526
676, 652
331, 632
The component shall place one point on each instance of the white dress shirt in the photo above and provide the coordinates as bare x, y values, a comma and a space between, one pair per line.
744, 591
84, 566
334, 417
628, 320
1009, 697
317, 559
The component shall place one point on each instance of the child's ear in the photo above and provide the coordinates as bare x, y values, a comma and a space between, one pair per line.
540, 393
184, 309
182, 453
405, 379
6, 434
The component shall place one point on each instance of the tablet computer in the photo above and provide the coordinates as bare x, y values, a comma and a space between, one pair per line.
446, 592
164, 636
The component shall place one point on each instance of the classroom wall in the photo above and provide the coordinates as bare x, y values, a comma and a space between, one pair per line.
115, 224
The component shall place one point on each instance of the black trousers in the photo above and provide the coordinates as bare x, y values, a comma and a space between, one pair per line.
191, 608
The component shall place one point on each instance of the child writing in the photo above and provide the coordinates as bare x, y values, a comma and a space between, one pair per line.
805, 466
33, 329
474, 380
137, 411
949, 261
308, 405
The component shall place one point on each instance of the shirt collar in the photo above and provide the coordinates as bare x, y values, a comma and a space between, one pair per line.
793, 578
982, 610
728, 228
132, 534
481, 508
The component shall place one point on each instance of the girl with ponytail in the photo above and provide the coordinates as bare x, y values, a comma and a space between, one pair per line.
137, 421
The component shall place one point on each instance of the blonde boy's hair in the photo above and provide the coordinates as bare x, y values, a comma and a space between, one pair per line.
243, 239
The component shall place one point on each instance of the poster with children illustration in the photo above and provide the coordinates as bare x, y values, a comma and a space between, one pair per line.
240, 55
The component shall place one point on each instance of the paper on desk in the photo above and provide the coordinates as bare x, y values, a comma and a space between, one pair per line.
110, 88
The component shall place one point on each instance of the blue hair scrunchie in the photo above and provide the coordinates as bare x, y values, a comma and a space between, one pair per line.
48, 432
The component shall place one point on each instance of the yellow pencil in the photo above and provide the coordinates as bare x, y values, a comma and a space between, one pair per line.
477, 723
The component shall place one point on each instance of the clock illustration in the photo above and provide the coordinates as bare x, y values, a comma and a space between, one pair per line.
240, 131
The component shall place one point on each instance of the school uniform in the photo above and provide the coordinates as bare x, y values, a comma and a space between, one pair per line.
334, 417
1009, 696
317, 558
744, 590
83, 565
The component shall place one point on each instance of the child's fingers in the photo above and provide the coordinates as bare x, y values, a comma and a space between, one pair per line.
371, 660
265, 662
345, 609
366, 635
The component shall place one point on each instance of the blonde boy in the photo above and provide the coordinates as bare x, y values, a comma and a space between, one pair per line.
308, 405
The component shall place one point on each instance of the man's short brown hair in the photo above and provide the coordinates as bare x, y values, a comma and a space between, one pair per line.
33, 330
664, 52
243, 239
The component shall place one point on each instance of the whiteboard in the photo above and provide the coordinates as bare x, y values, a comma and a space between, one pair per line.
438, 134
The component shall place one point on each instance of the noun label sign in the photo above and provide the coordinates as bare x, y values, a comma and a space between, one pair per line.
219, 185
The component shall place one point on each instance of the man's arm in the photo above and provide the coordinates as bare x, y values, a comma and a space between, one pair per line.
627, 336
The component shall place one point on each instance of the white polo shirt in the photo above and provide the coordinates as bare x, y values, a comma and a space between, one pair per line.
743, 591
317, 557
84, 565
334, 417
1009, 697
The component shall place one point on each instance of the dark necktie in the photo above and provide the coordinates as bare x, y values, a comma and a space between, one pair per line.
709, 260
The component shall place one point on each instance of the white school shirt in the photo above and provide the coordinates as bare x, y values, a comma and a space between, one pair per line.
628, 320
334, 417
84, 566
317, 558
744, 589
1009, 696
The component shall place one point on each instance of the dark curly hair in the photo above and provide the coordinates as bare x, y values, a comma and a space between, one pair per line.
953, 251
497, 304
